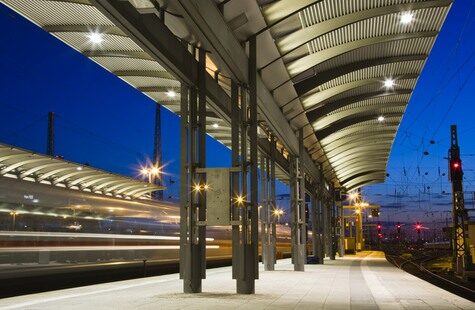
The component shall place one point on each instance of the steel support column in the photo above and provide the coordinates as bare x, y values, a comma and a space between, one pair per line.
193, 203
326, 225
245, 225
314, 217
333, 225
340, 226
265, 214
320, 229
297, 209
359, 230
272, 200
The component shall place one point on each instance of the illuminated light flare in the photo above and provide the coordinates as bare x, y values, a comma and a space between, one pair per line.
95, 37
407, 18
389, 83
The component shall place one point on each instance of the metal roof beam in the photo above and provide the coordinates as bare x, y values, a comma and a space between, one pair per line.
358, 136
371, 140
337, 126
357, 150
16, 165
327, 120
40, 167
107, 29
361, 155
324, 96
389, 125
117, 54
348, 171
360, 174
303, 64
314, 114
370, 176
279, 11
304, 86
144, 73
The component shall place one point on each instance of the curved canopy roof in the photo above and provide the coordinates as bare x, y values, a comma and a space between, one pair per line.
353, 66
82, 26
27, 166
326, 63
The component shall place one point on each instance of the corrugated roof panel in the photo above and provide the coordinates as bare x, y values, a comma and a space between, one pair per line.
386, 70
44, 12
425, 20
128, 64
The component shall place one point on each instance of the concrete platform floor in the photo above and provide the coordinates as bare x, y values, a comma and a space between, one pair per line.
366, 281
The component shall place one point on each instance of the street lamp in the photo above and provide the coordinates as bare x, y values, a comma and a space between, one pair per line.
278, 213
151, 172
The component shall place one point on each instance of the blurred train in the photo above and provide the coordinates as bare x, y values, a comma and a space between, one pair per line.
48, 226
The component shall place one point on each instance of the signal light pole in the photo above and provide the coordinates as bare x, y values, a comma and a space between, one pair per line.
418, 230
461, 260
398, 230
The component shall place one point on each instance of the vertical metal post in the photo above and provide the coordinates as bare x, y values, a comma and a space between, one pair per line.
297, 209
250, 237
315, 234
236, 208
263, 207
326, 225
359, 230
157, 150
193, 203
340, 225
50, 135
273, 206
321, 229
202, 156
333, 241
267, 226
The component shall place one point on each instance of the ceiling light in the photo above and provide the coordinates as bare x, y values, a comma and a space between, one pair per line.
95, 38
389, 83
406, 18
171, 94
381, 119
215, 125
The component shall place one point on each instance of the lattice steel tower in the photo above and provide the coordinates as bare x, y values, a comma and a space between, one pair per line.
461, 253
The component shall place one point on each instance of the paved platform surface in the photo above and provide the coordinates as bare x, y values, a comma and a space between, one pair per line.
366, 281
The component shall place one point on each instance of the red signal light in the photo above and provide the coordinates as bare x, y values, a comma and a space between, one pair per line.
456, 165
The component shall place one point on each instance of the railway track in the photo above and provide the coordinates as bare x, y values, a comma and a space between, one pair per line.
416, 268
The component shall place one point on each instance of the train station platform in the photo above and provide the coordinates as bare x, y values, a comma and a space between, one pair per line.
366, 281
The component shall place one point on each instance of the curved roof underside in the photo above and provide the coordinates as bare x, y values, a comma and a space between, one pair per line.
73, 21
27, 166
338, 54
325, 62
